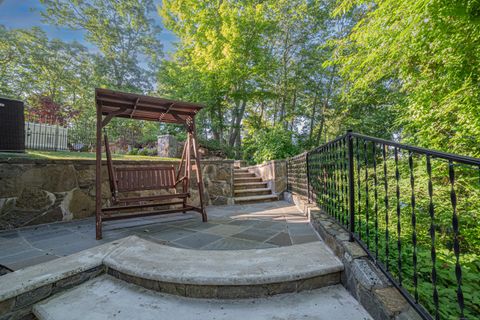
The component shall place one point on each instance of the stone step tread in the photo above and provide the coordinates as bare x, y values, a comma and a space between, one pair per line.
148, 260
253, 190
106, 297
256, 198
250, 183
247, 179
244, 174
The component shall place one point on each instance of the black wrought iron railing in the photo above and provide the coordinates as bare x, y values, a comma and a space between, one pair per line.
415, 211
297, 174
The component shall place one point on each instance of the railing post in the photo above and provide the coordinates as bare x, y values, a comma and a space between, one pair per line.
351, 184
308, 178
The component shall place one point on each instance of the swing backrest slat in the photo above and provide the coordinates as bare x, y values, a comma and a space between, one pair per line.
145, 178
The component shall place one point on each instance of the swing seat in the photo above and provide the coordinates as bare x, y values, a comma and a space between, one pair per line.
145, 178
136, 179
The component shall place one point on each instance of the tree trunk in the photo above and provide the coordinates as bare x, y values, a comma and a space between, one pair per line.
312, 118
235, 130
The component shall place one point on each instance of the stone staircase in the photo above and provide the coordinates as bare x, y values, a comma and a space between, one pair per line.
250, 188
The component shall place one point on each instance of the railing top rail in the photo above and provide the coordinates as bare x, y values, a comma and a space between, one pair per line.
434, 153
298, 156
329, 143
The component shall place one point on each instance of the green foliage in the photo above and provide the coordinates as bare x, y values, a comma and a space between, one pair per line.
467, 188
123, 32
269, 143
430, 48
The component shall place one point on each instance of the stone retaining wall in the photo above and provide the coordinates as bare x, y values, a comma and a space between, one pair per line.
274, 172
41, 191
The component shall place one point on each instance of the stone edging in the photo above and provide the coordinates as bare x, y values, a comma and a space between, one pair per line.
21, 289
229, 291
361, 277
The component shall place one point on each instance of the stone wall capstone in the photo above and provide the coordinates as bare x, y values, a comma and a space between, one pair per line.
41, 191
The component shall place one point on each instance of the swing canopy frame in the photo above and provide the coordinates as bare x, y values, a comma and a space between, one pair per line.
123, 179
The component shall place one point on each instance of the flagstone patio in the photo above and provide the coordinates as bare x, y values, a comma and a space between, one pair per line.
236, 227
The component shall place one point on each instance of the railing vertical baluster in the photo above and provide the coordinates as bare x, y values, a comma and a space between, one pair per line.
307, 160
456, 242
330, 181
399, 225
414, 226
324, 180
375, 194
345, 180
286, 173
359, 211
337, 183
351, 185
327, 178
342, 181
433, 252
367, 208
385, 176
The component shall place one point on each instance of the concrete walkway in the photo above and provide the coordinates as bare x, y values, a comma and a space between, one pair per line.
254, 226
108, 298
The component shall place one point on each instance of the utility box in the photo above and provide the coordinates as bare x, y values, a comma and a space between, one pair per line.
12, 125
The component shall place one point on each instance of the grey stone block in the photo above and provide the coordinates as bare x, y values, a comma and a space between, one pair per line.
304, 238
364, 272
319, 282
31, 297
6, 306
255, 234
197, 240
281, 239
409, 314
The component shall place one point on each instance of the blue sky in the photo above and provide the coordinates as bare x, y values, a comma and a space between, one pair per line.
26, 14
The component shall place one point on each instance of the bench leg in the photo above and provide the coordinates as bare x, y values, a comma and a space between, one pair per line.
184, 205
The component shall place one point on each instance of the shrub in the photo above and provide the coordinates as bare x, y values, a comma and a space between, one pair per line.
269, 143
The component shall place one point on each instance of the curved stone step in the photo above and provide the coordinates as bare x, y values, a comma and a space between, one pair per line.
109, 298
225, 273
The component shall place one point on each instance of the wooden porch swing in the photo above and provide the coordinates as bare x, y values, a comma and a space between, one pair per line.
123, 179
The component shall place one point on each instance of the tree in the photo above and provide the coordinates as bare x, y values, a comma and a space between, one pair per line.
221, 45
123, 32
428, 48
249, 59
52, 76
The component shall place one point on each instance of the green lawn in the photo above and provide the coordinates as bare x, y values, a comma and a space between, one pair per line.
67, 155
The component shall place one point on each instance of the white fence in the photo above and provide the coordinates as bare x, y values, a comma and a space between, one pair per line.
42, 136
